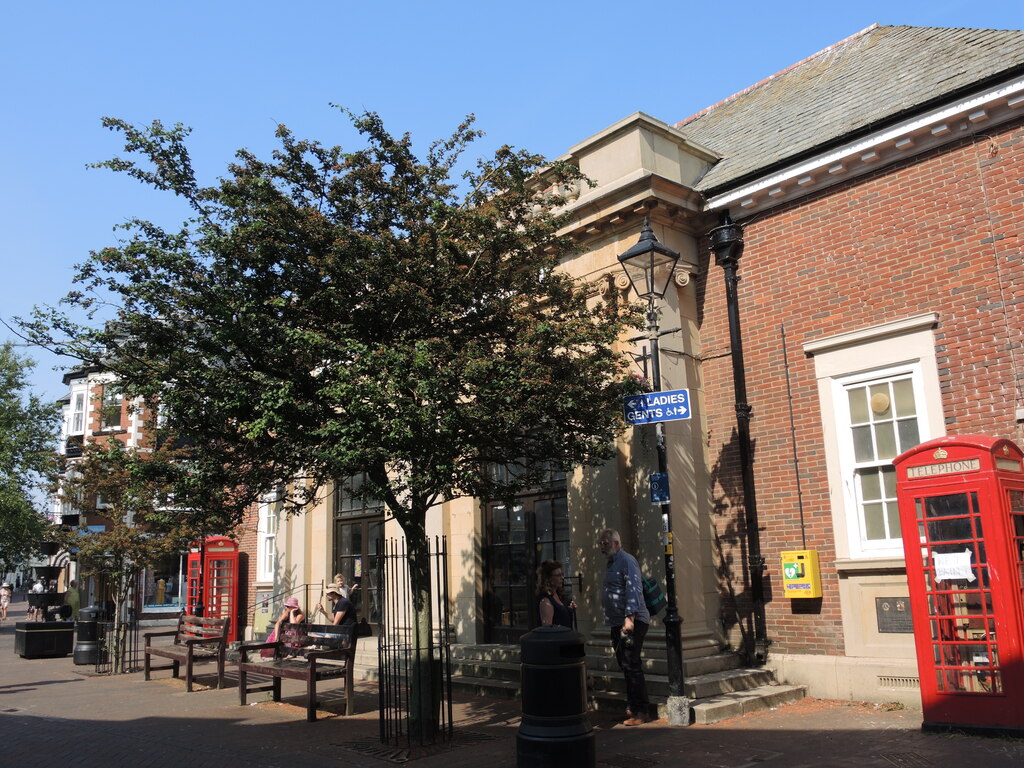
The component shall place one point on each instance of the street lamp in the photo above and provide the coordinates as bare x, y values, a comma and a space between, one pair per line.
649, 265
727, 244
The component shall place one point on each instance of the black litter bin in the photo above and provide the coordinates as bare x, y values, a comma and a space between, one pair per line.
555, 730
87, 647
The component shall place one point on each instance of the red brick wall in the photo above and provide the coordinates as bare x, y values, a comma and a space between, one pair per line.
940, 233
247, 544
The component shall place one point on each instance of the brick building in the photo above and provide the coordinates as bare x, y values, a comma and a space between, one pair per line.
95, 409
882, 304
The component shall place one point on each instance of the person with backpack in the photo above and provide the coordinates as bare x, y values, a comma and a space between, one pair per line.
626, 613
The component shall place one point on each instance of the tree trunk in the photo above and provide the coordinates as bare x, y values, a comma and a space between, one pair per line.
424, 695
118, 639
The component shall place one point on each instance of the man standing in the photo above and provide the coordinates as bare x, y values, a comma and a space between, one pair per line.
625, 612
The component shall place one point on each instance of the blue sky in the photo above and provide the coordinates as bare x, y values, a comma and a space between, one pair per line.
542, 76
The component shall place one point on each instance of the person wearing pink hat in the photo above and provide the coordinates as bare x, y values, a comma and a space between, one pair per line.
291, 613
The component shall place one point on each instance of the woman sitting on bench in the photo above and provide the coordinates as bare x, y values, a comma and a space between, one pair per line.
290, 614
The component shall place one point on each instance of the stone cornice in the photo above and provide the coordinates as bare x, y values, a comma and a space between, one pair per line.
884, 330
631, 123
967, 116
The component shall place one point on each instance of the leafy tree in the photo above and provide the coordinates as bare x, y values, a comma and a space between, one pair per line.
326, 313
28, 435
138, 492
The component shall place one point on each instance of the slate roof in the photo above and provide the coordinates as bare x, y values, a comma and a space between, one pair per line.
879, 75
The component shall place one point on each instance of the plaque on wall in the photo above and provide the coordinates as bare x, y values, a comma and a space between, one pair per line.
893, 615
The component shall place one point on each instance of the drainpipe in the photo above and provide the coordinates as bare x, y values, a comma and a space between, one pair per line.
727, 244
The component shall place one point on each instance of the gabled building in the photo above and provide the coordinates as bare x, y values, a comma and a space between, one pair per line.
881, 303
95, 409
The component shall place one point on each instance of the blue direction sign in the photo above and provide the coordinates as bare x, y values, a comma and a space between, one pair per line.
659, 488
672, 405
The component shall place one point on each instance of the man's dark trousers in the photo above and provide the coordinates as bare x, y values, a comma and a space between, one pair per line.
632, 666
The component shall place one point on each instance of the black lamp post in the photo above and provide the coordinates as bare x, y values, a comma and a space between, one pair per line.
649, 265
727, 244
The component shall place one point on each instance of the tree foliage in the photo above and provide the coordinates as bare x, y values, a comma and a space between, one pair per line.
328, 312
28, 436
140, 494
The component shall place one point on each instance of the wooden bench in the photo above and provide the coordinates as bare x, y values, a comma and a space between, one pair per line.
307, 652
197, 638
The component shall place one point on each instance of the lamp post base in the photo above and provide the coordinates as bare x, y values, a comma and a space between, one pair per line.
678, 710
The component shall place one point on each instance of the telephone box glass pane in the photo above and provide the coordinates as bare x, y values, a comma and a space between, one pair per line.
953, 505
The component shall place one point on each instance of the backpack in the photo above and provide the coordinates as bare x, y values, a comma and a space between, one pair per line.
654, 598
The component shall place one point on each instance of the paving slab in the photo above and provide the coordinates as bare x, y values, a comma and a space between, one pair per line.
55, 714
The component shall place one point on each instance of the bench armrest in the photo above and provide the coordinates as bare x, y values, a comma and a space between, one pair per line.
331, 653
148, 635
244, 649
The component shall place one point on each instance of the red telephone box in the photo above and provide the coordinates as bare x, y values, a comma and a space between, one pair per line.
214, 566
961, 502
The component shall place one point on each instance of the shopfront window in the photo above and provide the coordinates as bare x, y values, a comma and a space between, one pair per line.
163, 585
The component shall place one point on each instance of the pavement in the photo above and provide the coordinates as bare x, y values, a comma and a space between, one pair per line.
54, 713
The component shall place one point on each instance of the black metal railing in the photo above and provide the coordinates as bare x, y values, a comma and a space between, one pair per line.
309, 595
118, 646
415, 667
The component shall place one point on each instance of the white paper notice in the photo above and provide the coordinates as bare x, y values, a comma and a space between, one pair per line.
953, 566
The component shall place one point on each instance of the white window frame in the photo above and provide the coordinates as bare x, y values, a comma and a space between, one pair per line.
266, 547
862, 355
106, 406
860, 545
79, 412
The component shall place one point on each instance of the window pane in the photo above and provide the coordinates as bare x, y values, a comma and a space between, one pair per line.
885, 437
881, 403
863, 450
889, 482
870, 486
858, 405
500, 525
543, 523
874, 524
909, 436
110, 407
517, 525
892, 513
903, 394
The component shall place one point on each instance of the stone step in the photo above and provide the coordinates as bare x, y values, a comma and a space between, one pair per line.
694, 687
600, 657
728, 705
707, 710
485, 686
718, 688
